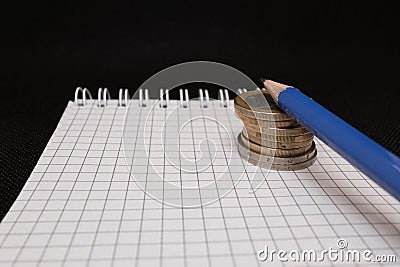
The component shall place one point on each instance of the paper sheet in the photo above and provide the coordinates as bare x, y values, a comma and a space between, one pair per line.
80, 207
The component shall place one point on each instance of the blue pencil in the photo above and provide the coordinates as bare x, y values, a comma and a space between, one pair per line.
376, 162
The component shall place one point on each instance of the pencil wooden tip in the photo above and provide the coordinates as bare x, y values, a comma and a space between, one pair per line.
274, 88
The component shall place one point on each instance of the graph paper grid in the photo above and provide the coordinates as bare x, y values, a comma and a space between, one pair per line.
80, 207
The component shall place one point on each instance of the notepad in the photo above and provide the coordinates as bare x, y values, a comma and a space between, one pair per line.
81, 207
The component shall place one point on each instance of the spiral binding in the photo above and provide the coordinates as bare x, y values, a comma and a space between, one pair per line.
103, 95
84, 91
204, 98
242, 90
123, 97
184, 101
223, 97
164, 98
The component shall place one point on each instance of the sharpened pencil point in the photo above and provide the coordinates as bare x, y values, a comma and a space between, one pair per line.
262, 80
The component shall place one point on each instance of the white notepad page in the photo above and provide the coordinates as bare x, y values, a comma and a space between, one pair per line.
80, 208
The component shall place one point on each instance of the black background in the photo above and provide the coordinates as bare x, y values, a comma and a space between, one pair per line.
343, 54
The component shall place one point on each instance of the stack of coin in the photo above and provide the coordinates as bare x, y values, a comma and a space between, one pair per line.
270, 138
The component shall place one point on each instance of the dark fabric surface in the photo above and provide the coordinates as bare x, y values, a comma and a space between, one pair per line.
20, 149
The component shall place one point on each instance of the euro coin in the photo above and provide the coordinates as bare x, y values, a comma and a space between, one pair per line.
266, 123
282, 131
280, 138
259, 104
275, 152
284, 167
275, 144
246, 153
